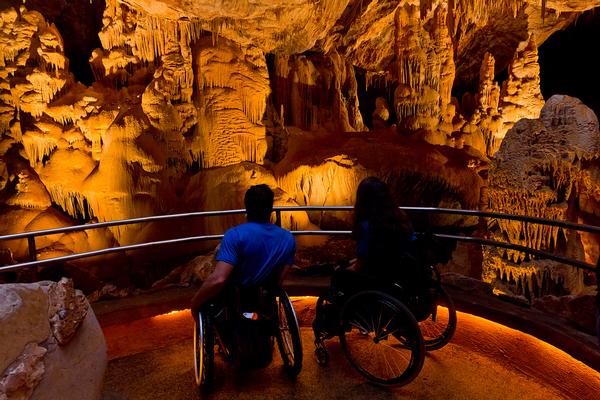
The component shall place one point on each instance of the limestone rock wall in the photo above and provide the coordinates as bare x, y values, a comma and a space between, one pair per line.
417, 172
193, 102
52, 344
315, 91
520, 96
424, 67
233, 85
544, 166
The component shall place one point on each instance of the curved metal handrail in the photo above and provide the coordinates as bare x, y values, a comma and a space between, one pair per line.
108, 250
512, 217
524, 249
106, 224
144, 245
30, 236
278, 210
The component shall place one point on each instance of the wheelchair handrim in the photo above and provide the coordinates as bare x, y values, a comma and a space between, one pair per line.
284, 330
288, 335
437, 334
198, 349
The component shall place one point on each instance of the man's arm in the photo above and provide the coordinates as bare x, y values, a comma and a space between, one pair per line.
211, 286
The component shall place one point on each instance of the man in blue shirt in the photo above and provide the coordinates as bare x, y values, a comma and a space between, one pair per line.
250, 253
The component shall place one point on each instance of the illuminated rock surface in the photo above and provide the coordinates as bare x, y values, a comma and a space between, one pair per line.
52, 346
544, 166
193, 102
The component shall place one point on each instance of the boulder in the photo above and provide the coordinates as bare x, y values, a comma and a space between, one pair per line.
52, 346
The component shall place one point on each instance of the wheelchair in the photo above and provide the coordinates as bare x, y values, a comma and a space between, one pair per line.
244, 323
385, 329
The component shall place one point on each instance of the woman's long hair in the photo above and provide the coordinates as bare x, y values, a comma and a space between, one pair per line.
388, 226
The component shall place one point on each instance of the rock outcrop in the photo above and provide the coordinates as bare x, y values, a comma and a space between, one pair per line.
316, 92
52, 346
520, 96
544, 166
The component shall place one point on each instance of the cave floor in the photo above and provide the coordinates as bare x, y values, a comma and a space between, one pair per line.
151, 358
149, 348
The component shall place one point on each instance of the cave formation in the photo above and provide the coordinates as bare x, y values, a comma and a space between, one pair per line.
118, 109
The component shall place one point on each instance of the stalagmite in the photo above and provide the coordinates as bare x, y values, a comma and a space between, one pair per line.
487, 117
424, 66
521, 96
234, 87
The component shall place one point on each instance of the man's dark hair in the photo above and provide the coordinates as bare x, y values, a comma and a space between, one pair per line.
259, 203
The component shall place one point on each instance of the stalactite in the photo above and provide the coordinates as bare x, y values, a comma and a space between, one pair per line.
38, 146
544, 3
539, 278
47, 86
74, 204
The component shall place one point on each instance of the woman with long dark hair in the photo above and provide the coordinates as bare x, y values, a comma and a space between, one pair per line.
382, 231
383, 235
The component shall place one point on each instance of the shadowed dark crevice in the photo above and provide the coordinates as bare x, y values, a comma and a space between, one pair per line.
569, 62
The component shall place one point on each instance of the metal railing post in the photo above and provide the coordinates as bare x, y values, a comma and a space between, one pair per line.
32, 256
278, 218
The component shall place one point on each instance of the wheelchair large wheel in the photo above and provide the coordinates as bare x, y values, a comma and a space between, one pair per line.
381, 338
439, 327
288, 335
204, 352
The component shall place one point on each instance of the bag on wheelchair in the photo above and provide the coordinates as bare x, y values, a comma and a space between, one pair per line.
254, 325
253, 340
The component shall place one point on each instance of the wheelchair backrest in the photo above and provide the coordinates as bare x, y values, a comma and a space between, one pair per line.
254, 322
255, 299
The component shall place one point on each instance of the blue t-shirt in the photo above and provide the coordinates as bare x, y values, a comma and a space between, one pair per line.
256, 251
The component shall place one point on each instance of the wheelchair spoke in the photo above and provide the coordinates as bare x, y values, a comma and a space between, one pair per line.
401, 353
386, 362
363, 320
378, 330
397, 368
359, 326
396, 327
378, 357
373, 324
433, 328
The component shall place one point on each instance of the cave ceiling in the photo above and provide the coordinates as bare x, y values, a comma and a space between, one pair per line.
364, 29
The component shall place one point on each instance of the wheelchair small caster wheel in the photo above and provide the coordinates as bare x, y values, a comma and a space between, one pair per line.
322, 356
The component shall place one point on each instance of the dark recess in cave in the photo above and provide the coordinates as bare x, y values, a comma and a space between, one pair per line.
500, 37
569, 62
78, 22
368, 95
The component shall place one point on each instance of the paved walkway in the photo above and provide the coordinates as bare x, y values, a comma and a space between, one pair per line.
469, 295
151, 359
